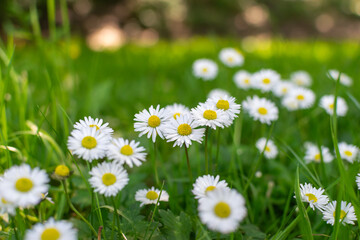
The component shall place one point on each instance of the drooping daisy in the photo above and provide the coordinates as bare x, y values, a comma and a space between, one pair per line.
176, 110
183, 130
261, 109
358, 180
265, 79
88, 143
205, 69
313, 196
125, 152
151, 122
347, 213
282, 88
348, 152
61, 172
222, 210
327, 102
207, 115
301, 78
52, 230
218, 92
108, 178
227, 104
207, 183
231, 57
23, 186
150, 196
301, 98
94, 123
313, 154
344, 79
270, 151
242, 79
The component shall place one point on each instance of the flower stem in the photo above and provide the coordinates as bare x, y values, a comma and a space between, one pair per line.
117, 216
188, 164
75, 210
206, 153
217, 149
155, 167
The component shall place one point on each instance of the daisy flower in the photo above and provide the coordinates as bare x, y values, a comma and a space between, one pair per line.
327, 103
151, 122
59, 230
313, 154
61, 172
347, 213
301, 98
123, 151
261, 109
242, 79
207, 183
231, 57
183, 130
227, 104
222, 210
205, 69
344, 79
6, 206
281, 88
358, 180
313, 196
207, 115
217, 92
150, 196
265, 79
176, 110
270, 151
348, 152
94, 123
108, 178
88, 143
301, 78
23, 186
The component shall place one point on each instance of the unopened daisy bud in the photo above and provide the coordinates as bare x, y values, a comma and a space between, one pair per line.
151, 196
205, 69
231, 57
61, 172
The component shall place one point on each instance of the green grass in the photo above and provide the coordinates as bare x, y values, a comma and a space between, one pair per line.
44, 91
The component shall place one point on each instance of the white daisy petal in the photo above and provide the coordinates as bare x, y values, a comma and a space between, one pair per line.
347, 213
327, 102
150, 196
205, 69
261, 109
60, 230
270, 151
231, 57
207, 183
313, 196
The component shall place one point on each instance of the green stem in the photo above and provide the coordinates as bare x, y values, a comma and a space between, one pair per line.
188, 165
155, 166
75, 210
206, 153
217, 150
154, 211
117, 217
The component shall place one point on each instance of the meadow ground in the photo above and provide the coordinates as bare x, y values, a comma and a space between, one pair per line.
46, 87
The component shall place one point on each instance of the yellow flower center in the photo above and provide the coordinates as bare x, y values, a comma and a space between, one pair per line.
262, 111
300, 97
222, 104
89, 142
154, 121
126, 150
152, 195
311, 197
284, 90
299, 82
222, 210
267, 149
108, 179
266, 81
93, 125
342, 214
205, 70
50, 234
230, 59
210, 188
246, 81
24, 184
210, 115
3, 200
317, 157
184, 129
348, 153
176, 115
62, 170
331, 106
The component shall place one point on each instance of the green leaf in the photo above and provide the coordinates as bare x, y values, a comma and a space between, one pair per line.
175, 227
253, 231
